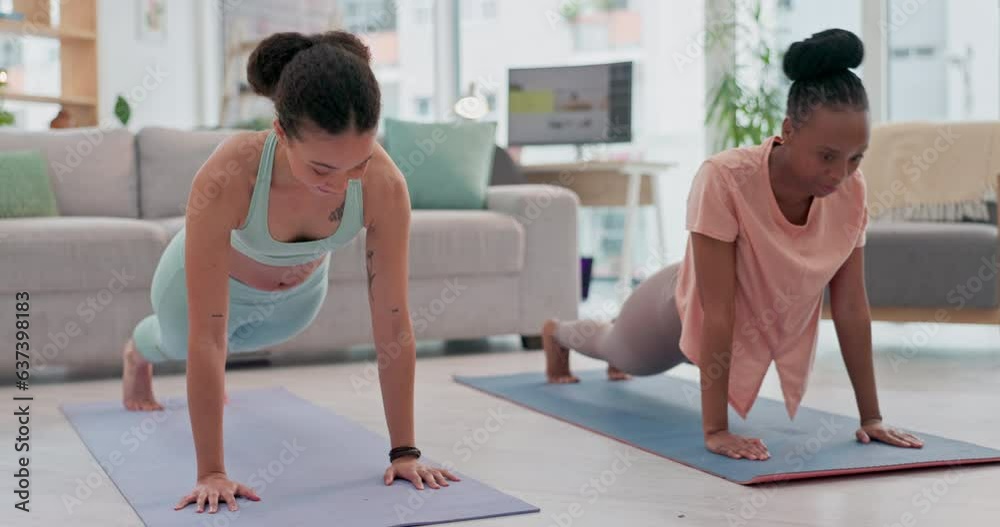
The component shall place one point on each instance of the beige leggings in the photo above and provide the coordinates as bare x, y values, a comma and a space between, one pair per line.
645, 337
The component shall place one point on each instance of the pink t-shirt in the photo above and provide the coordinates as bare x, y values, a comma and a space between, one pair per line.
782, 269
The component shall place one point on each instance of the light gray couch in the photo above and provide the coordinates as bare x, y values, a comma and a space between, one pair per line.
931, 272
923, 271
927, 265
478, 273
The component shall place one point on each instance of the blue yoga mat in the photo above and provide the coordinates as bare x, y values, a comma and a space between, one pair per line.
662, 415
308, 465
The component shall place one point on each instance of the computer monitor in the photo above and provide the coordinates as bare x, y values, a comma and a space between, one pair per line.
572, 105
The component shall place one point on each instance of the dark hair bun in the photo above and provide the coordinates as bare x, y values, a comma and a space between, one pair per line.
348, 42
270, 57
822, 54
273, 53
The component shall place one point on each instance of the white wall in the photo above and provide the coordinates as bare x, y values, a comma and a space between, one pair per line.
167, 83
947, 28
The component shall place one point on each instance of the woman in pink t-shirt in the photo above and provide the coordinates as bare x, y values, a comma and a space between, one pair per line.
772, 226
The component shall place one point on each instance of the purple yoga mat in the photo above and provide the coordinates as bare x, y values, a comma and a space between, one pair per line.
309, 465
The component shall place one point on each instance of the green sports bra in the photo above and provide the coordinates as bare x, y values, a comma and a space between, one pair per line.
254, 239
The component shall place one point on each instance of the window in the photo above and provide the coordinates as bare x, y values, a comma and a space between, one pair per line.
951, 51
388, 27
799, 19
423, 15
602, 24
33, 67
423, 106
489, 8
478, 10
370, 16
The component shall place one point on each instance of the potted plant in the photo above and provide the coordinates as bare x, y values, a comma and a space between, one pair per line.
747, 105
570, 11
122, 110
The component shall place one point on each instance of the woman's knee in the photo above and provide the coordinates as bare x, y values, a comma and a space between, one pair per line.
173, 345
639, 359
576, 334
634, 366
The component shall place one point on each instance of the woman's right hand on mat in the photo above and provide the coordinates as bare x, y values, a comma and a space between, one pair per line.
417, 473
212, 487
736, 446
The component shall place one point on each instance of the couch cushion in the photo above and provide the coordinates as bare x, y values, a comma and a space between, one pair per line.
445, 243
505, 171
92, 169
936, 265
78, 254
168, 162
442, 244
443, 171
27, 188
171, 225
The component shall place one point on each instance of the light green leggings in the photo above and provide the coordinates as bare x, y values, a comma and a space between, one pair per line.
257, 318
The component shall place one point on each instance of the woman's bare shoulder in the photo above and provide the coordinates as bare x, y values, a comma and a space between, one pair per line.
227, 177
385, 190
241, 150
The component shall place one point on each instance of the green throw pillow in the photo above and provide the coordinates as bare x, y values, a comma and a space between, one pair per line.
446, 165
27, 190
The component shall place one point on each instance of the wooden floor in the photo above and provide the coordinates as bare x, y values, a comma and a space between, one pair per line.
948, 385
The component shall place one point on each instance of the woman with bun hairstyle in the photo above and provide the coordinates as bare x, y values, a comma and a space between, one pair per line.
772, 225
249, 268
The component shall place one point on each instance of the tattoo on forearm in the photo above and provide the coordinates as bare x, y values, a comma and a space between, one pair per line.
214, 315
371, 271
339, 213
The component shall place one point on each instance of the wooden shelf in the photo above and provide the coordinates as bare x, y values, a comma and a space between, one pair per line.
27, 29
76, 33
68, 101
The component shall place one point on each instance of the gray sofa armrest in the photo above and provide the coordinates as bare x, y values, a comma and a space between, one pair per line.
550, 281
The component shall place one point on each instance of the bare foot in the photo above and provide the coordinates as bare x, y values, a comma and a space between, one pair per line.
614, 374
137, 381
556, 356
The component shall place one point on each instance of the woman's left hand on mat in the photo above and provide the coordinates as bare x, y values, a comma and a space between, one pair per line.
417, 473
893, 436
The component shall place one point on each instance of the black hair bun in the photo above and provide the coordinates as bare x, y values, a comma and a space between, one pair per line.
270, 57
822, 54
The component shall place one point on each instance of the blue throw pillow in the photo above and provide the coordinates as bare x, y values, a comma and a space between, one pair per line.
446, 165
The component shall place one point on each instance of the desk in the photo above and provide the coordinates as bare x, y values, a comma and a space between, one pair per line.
612, 183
